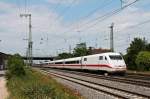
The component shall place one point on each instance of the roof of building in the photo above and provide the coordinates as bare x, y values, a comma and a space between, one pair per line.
3, 55
99, 50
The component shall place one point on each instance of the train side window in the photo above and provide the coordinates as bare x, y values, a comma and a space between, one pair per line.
105, 58
100, 57
78, 62
85, 59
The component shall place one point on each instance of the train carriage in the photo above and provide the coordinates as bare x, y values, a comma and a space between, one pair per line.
109, 62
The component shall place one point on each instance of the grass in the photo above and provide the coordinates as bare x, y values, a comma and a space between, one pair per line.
38, 86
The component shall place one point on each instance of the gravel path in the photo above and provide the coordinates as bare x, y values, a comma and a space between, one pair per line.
3, 89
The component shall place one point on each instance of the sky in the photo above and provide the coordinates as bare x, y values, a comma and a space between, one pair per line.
58, 24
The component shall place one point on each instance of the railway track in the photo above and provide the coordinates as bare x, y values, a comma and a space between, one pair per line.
140, 81
138, 76
119, 93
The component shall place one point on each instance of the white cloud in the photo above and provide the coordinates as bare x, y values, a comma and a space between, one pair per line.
6, 6
13, 29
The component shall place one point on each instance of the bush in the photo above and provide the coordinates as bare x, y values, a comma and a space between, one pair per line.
37, 86
15, 66
143, 61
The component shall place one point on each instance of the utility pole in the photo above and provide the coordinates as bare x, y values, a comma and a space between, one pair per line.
29, 51
122, 3
79, 36
112, 37
70, 49
96, 43
0, 41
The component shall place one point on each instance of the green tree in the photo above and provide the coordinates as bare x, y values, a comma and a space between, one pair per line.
15, 66
80, 52
143, 61
148, 47
135, 47
64, 55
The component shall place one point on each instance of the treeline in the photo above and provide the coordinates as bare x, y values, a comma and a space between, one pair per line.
82, 51
138, 55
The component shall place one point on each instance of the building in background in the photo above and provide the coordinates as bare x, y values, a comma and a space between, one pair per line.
3, 60
81, 45
97, 50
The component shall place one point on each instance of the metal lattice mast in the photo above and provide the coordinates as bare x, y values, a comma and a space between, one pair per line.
112, 37
29, 51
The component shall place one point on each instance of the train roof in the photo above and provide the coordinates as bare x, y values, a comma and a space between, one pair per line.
79, 58
108, 53
58, 60
72, 59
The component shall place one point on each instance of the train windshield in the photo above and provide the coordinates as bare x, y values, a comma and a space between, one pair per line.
115, 57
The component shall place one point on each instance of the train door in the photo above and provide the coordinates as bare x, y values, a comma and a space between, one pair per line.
103, 60
84, 62
81, 62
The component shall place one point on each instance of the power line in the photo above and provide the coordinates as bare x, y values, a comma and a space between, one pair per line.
134, 26
58, 4
100, 19
90, 13
65, 10
112, 37
107, 15
25, 6
95, 10
103, 17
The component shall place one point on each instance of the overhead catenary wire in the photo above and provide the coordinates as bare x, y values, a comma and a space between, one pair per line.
58, 4
105, 16
97, 9
65, 10
136, 25
18, 10
25, 6
90, 24
91, 13
109, 15
141, 23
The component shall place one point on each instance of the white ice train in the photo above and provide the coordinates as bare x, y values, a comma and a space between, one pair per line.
110, 62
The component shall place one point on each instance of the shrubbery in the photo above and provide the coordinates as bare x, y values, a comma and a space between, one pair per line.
143, 61
25, 83
133, 56
35, 85
15, 66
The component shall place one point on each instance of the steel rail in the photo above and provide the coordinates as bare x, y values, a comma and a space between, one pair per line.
139, 82
117, 95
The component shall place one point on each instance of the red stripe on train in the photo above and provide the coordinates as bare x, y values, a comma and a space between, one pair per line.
88, 65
